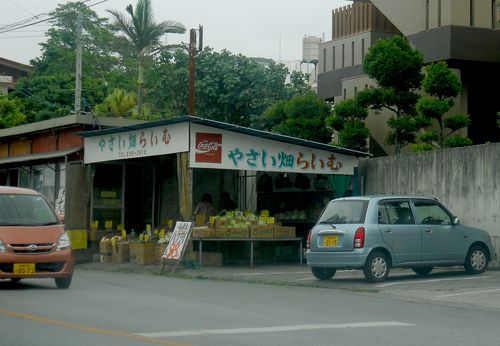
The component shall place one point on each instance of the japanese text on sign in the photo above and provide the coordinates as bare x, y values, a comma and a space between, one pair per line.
258, 159
134, 144
178, 242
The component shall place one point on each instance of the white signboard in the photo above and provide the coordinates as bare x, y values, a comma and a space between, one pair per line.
178, 242
145, 142
214, 148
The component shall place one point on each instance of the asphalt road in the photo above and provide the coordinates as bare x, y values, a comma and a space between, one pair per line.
116, 308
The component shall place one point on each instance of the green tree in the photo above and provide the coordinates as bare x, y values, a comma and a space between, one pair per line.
348, 119
11, 113
144, 34
229, 88
443, 85
396, 67
118, 104
302, 116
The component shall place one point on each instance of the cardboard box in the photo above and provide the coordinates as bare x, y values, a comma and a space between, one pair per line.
231, 232
144, 253
261, 231
78, 238
121, 252
284, 232
211, 259
203, 232
160, 249
106, 259
105, 247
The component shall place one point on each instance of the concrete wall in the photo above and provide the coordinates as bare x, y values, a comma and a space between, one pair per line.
466, 180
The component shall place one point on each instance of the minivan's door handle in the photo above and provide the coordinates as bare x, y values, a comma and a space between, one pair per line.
428, 230
387, 230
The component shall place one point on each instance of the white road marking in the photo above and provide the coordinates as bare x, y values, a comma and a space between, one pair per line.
433, 280
467, 293
274, 329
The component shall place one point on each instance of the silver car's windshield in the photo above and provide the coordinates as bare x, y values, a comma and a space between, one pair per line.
344, 211
26, 210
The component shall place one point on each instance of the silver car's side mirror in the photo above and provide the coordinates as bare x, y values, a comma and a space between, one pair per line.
456, 220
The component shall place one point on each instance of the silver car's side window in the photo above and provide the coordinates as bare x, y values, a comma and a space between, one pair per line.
430, 213
395, 213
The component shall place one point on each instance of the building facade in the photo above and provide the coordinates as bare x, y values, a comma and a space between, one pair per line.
463, 33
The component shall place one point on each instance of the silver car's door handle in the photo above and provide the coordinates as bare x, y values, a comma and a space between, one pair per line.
387, 230
428, 230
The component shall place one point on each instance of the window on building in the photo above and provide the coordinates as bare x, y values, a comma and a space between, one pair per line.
333, 57
345, 94
427, 15
324, 60
352, 53
355, 91
343, 55
363, 50
472, 5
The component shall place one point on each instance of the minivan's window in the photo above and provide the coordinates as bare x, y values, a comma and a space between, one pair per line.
431, 213
395, 212
25, 210
342, 212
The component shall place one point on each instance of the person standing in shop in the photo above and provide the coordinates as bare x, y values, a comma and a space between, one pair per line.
205, 207
226, 203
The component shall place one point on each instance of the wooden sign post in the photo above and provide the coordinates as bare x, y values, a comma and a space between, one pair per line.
177, 246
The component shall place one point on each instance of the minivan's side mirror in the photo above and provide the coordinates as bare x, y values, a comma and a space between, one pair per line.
456, 220
61, 218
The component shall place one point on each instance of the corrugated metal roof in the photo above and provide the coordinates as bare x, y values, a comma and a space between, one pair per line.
39, 156
228, 127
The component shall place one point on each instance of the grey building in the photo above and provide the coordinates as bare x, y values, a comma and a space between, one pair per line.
464, 33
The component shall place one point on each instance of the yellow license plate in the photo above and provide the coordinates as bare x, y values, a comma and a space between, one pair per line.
24, 268
331, 240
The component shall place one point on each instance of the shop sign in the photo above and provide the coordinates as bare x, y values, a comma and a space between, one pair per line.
220, 149
152, 141
178, 242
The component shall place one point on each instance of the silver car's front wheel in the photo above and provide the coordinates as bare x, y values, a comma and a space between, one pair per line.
377, 267
477, 260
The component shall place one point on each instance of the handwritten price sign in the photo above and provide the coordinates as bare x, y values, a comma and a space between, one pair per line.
178, 242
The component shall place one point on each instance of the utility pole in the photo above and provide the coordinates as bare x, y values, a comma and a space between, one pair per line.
192, 67
78, 74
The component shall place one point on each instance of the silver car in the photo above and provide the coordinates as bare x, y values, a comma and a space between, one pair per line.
377, 233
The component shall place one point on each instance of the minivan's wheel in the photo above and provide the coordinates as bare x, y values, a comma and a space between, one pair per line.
323, 273
477, 260
377, 267
15, 280
422, 271
63, 282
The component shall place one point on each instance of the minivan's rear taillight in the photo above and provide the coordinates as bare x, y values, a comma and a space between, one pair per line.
359, 238
308, 243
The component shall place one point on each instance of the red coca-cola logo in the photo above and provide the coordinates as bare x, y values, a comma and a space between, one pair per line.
208, 147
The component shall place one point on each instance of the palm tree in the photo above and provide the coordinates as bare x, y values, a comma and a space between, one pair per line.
144, 34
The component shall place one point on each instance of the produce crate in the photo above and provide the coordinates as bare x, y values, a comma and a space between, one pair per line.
203, 232
105, 248
144, 253
284, 231
159, 250
231, 232
121, 252
261, 231
78, 238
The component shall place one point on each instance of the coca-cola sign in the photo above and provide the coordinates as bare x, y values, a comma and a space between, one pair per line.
208, 147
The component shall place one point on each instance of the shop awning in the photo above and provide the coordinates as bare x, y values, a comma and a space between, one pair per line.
39, 156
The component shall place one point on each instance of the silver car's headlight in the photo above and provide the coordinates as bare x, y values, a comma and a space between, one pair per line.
2, 247
63, 242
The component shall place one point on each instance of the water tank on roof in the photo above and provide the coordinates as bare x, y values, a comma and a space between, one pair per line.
310, 49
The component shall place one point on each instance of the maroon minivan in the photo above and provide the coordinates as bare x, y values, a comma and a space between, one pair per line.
33, 243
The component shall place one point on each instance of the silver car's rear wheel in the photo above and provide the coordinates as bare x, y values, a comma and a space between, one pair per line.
477, 260
377, 267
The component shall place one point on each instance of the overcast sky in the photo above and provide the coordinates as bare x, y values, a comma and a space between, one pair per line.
256, 28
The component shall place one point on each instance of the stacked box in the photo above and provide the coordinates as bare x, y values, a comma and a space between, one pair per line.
284, 231
144, 253
160, 249
203, 232
121, 252
209, 259
261, 231
232, 232
78, 238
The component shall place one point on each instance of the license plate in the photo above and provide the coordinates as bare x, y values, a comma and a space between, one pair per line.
330, 240
24, 268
